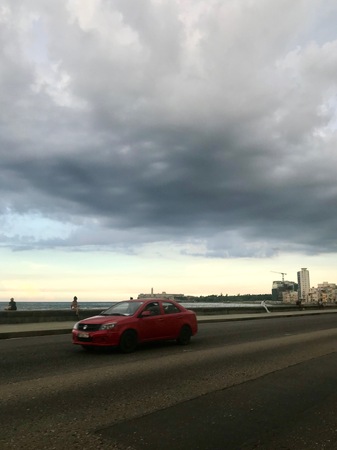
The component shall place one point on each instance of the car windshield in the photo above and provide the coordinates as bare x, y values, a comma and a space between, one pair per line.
122, 309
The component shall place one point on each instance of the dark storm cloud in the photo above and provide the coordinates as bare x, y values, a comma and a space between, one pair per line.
156, 124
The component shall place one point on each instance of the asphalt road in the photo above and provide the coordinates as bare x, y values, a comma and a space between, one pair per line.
240, 385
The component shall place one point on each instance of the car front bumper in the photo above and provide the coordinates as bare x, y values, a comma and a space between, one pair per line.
95, 338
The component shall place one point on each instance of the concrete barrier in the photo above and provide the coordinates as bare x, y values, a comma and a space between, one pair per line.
50, 315
250, 309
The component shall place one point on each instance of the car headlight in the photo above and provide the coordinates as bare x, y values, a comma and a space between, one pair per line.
75, 327
108, 326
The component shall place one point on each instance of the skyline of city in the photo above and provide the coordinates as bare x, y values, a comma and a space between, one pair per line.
87, 296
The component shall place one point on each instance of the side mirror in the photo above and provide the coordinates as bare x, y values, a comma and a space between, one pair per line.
146, 314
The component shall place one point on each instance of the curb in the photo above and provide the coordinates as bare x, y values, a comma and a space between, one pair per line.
32, 333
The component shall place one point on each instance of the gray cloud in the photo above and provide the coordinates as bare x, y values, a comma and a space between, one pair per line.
215, 132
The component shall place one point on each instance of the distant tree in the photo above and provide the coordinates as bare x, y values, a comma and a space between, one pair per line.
213, 298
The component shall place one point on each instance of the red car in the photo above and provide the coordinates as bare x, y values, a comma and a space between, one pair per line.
129, 323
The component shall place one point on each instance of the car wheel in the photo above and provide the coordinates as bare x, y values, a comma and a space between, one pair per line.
128, 341
184, 335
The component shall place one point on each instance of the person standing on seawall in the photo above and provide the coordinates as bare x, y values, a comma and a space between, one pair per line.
11, 305
74, 305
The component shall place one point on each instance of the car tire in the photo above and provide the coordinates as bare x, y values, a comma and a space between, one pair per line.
184, 335
128, 342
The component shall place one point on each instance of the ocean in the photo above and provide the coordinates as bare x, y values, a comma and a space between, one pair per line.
33, 306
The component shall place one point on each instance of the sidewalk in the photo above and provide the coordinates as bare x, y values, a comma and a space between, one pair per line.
51, 328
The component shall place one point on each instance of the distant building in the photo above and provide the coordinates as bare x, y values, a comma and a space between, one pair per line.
324, 292
303, 280
290, 297
280, 288
162, 295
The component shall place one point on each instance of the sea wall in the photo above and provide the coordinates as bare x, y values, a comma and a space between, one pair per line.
50, 315
258, 308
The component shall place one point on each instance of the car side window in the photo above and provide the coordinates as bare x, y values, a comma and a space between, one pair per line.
153, 308
170, 308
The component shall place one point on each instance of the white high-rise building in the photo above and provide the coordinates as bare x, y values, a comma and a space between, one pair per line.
303, 284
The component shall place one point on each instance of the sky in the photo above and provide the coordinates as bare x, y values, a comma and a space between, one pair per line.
187, 146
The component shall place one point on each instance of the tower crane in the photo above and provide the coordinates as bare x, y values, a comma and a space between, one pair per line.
282, 273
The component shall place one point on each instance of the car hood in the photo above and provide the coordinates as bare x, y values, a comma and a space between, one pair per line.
105, 319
